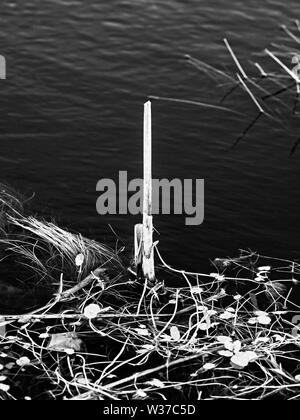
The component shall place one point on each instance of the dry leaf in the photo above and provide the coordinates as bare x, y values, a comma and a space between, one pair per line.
4, 387
23, 361
79, 260
175, 333
242, 359
142, 331
92, 311
65, 342
209, 366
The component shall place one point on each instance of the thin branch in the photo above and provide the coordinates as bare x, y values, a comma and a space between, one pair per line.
235, 60
94, 275
202, 104
261, 110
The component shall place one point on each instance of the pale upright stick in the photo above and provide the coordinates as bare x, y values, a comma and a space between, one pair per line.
147, 236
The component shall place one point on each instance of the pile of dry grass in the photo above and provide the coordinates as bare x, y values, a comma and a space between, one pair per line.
37, 255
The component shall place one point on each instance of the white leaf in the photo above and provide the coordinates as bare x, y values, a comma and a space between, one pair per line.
23, 361
260, 278
92, 311
224, 339
229, 346
82, 380
204, 326
209, 366
264, 268
79, 260
211, 312
237, 345
242, 359
64, 341
225, 353
175, 333
264, 320
217, 276
166, 337
197, 290
260, 313
278, 337
4, 387
261, 340
141, 393
227, 315
69, 351
156, 382
232, 310
252, 356
148, 346
142, 331
44, 335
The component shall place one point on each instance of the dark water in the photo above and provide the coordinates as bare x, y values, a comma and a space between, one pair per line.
71, 113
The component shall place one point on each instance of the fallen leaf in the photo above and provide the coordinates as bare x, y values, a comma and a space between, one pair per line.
209, 366
23, 361
261, 340
264, 320
142, 331
224, 339
197, 290
264, 268
260, 278
227, 315
156, 382
225, 353
79, 260
237, 345
242, 359
92, 311
218, 276
44, 335
141, 393
64, 342
204, 326
4, 387
175, 333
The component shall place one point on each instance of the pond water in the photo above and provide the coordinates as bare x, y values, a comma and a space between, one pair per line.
78, 73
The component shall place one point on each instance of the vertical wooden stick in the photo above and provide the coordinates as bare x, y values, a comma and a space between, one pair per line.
147, 234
